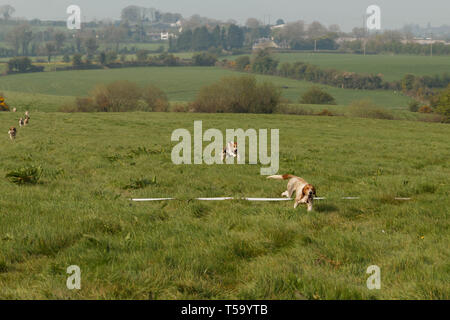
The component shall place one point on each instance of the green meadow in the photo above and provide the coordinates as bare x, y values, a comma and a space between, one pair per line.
179, 83
79, 213
392, 67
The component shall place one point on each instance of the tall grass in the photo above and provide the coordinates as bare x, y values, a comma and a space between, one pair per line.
186, 249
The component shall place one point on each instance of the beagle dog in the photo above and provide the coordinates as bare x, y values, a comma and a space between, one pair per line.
27, 120
230, 151
304, 192
12, 133
21, 122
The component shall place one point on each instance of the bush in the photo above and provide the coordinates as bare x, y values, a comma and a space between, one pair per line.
155, 99
367, 109
204, 59
119, 96
179, 107
425, 109
77, 60
443, 107
315, 95
264, 63
242, 63
413, 106
22, 65
238, 95
326, 112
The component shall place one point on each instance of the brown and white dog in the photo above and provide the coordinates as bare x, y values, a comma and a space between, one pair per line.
230, 151
304, 192
27, 120
12, 133
21, 122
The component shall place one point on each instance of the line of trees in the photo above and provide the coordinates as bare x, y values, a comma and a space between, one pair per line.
263, 62
201, 39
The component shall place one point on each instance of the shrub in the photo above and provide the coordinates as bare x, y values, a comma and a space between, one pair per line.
3, 105
118, 96
155, 99
242, 63
315, 95
326, 112
425, 109
26, 175
179, 107
413, 106
264, 63
367, 109
77, 60
142, 55
204, 59
238, 95
443, 107
66, 58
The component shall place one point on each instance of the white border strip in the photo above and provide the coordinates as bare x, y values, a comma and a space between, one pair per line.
249, 199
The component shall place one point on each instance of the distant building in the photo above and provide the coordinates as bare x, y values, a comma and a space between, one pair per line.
425, 41
166, 35
264, 43
280, 26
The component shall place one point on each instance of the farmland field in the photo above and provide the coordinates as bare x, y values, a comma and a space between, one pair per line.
392, 67
179, 83
80, 213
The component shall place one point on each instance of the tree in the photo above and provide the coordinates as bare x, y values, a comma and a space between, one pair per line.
264, 62
235, 37
131, 14
316, 30
253, 23
184, 41
50, 48
204, 59
20, 36
142, 55
91, 46
201, 39
279, 22
7, 11
60, 38
77, 60
116, 35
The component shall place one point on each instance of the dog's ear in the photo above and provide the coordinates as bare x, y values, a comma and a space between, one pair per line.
314, 190
304, 191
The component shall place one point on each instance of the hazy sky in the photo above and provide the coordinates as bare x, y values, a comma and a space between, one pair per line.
346, 13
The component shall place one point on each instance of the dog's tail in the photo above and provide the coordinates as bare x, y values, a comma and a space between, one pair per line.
281, 177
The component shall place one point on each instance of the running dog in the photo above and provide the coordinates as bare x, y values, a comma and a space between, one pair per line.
12, 133
304, 192
230, 151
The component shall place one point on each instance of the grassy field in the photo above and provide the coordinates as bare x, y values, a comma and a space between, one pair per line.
179, 83
392, 67
79, 214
